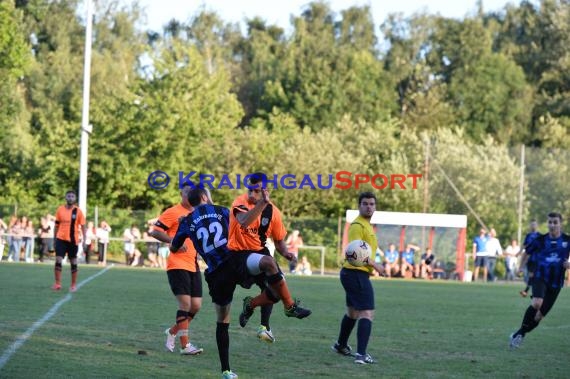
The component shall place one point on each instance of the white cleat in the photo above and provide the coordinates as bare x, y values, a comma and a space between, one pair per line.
191, 350
170, 341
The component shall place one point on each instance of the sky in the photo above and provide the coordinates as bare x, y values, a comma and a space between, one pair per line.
159, 12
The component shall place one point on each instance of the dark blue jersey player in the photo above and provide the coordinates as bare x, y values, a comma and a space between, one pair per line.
549, 253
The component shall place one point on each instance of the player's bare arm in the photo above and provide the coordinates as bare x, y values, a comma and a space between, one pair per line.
246, 218
281, 248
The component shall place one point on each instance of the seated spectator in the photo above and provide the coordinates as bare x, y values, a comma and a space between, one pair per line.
378, 259
304, 267
426, 264
408, 263
439, 270
391, 261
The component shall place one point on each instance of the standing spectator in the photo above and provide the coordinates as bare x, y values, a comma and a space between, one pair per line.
529, 267
511, 253
294, 242
3, 231
45, 232
16, 235
69, 232
356, 283
480, 254
183, 274
28, 240
550, 254
152, 244
132, 254
494, 250
102, 235
90, 241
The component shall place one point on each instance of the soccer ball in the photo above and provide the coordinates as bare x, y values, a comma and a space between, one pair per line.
358, 252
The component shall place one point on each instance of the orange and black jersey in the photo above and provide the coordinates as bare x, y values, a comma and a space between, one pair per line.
254, 236
168, 223
68, 222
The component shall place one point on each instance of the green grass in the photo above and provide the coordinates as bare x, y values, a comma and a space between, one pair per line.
422, 330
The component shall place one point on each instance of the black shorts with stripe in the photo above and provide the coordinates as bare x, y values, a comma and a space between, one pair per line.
184, 282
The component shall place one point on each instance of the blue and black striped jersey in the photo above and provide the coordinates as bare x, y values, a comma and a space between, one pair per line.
549, 254
207, 227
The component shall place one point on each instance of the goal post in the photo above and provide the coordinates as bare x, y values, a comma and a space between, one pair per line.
445, 234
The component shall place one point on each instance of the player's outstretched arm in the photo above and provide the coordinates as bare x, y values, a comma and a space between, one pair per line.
281, 248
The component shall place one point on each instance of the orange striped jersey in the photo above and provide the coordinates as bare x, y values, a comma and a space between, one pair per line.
168, 223
254, 236
69, 222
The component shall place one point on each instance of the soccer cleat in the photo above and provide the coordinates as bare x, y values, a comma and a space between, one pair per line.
342, 350
228, 374
72, 289
191, 350
516, 341
265, 335
296, 311
363, 359
246, 312
56, 287
170, 341
523, 293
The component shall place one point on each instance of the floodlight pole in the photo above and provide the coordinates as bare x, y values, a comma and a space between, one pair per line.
85, 126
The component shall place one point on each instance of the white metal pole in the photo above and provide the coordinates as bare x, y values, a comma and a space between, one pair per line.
85, 127
521, 195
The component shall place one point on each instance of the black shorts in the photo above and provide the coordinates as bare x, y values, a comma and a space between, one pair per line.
358, 288
481, 261
233, 272
183, 282
65, 247
152, 247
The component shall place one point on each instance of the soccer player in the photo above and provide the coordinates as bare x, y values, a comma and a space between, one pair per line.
550, 254
183, 275
528, 273
356, 283
253, 219
208, 228
69, 222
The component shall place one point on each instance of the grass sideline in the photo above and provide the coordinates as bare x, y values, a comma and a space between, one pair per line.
422, 330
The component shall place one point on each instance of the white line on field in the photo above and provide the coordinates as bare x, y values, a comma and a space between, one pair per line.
28, 333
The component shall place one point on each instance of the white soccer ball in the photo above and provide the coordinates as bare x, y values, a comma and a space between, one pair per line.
358, 252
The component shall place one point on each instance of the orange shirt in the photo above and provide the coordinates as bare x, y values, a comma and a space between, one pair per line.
249, 238
64, 223
168, 223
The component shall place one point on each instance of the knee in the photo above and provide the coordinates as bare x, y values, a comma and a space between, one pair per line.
537, 303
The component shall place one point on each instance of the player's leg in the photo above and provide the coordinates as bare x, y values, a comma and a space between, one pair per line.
349, 283
532, 315
60, 251
364, 303
72, 250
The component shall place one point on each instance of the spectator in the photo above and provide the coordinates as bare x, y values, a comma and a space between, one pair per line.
480, 254
3, 231
391, 258
304, 267
132, 254
511, 252
46, 240
28, 239
16, 235
494, 250
163, 252
102, 234
294, 241
152, 244
529, 266
378, 259
90, 240
408, 262
427, 260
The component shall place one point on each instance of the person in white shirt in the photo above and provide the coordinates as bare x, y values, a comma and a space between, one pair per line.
102, 235
494, 250
511, 255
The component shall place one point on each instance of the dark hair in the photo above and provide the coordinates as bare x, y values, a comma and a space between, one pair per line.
195, 195
554, 215
70, 191
257, 177
366, 195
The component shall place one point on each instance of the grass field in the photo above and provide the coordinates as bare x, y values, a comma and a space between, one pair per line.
422, 330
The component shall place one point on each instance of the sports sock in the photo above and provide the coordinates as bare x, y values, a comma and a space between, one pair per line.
346, 326
363, 335
528, 322
266, 314
180, 316
57, 272
223, 342
280, 288
73, 274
